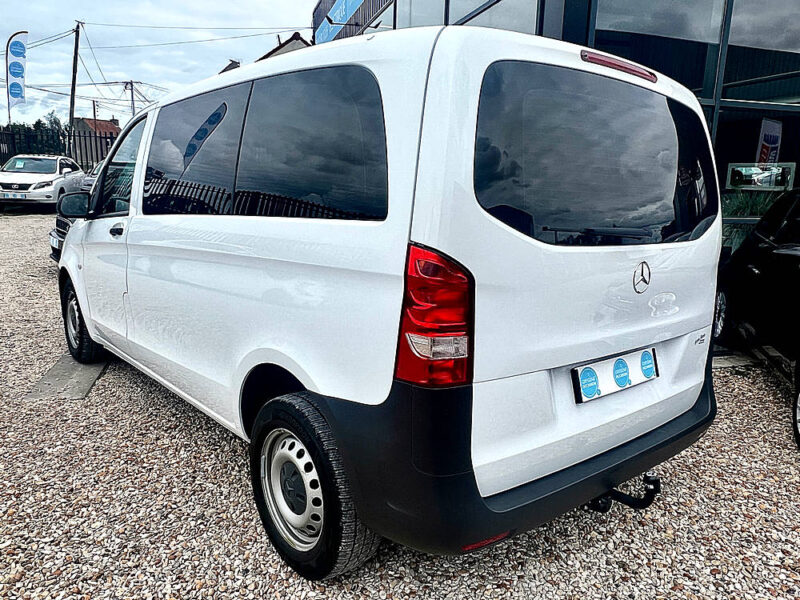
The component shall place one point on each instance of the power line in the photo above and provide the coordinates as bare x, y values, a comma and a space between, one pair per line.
97, 87
233, 37
47, 40
193, 28
86, 37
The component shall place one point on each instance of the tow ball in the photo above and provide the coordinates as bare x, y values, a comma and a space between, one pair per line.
652, 487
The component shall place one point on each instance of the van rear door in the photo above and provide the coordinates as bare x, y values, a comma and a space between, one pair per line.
584, 201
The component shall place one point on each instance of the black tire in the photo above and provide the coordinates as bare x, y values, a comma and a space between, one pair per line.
81, 345
796, 406
722, 327
343, 542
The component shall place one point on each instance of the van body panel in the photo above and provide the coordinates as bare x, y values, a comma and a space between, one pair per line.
324, 293
542, 309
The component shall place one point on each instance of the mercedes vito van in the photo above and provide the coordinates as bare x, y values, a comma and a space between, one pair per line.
448, 282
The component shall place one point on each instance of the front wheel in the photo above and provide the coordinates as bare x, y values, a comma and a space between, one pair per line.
302, 493
796, 407
81, 345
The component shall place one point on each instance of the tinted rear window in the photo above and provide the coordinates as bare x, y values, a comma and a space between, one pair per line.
574, 158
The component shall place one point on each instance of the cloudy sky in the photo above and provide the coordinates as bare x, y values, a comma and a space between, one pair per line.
170, 67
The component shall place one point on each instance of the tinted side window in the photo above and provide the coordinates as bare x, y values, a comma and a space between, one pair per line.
115, 195
192, 162
575, 158
789, 232
314, 146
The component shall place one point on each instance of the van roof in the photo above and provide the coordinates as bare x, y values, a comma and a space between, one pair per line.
403, 43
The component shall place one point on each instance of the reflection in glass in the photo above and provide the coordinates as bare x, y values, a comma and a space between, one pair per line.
764, 54
696, 20
314, 146
115, 196
513, 15
574, 158
192, 162
418, 13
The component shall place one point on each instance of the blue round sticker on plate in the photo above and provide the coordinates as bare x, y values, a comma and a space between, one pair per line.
621, 373
589, 383
17, 49
15, 90
648, 364
15, 69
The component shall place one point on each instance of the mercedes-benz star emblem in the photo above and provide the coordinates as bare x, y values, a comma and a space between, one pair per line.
641, 277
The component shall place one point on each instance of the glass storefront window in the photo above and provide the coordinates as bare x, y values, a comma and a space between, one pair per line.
764, 53
418, 13
513, 15
461, 8
679, 38
757, 156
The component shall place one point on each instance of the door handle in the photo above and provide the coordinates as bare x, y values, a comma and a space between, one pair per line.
117, 229
754, 270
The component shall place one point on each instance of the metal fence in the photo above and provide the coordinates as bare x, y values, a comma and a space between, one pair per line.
87, 150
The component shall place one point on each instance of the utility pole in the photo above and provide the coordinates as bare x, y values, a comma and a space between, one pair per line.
94, 113
71, 122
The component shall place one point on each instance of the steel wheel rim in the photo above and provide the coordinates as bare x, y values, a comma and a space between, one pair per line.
292, 489
719, 313
73, 319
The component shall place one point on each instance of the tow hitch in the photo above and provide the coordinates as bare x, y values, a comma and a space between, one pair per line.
652, 487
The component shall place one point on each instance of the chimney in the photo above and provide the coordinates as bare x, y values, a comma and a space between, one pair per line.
114, 120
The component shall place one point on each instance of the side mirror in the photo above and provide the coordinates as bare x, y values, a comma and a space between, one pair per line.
66, 170
74, 206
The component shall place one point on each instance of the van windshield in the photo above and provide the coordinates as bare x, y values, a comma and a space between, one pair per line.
574, 158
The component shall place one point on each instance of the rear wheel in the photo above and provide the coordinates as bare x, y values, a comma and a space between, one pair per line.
81, 345
302, 492
796, 406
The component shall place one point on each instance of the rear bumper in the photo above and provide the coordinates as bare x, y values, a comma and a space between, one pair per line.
409, 463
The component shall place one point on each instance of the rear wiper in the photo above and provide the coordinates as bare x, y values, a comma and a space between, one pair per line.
623, 232
620, 232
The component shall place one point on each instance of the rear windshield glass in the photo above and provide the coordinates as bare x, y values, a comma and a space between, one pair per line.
578, 159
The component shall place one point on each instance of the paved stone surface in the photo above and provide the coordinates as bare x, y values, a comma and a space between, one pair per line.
67, 379
132, 493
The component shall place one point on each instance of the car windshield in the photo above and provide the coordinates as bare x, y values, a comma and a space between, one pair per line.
28, 164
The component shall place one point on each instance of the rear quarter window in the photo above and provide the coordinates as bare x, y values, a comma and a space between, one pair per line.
575, 158
314, 146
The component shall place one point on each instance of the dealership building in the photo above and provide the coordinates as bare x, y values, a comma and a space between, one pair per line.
740, 57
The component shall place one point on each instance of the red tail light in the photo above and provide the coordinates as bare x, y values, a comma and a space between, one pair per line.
436, 325
618, 64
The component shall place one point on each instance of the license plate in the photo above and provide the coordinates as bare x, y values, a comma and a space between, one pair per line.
14, 195
612, 375
55, 243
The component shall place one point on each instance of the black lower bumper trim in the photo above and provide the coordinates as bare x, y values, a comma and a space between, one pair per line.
409, 463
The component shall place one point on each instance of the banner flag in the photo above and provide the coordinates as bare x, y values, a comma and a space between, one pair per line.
16, 64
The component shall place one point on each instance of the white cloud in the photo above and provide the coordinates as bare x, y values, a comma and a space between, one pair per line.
164, 66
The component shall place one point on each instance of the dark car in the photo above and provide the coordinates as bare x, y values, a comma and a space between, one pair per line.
758, 290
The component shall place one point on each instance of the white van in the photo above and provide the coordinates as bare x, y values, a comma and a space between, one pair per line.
448, 282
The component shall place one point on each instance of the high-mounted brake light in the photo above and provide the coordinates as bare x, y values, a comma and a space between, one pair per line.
618, 64
436, 324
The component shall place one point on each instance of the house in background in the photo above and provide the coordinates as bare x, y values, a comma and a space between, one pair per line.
294, 42
101, 126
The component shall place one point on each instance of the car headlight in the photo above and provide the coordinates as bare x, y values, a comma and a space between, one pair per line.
42, 184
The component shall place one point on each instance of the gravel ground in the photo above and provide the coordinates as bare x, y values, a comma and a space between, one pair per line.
131, 493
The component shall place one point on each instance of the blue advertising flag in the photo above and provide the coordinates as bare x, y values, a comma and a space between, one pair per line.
16, 65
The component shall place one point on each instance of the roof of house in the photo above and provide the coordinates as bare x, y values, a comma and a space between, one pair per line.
100, 125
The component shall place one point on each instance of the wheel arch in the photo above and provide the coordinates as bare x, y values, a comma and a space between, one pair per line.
262, 383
